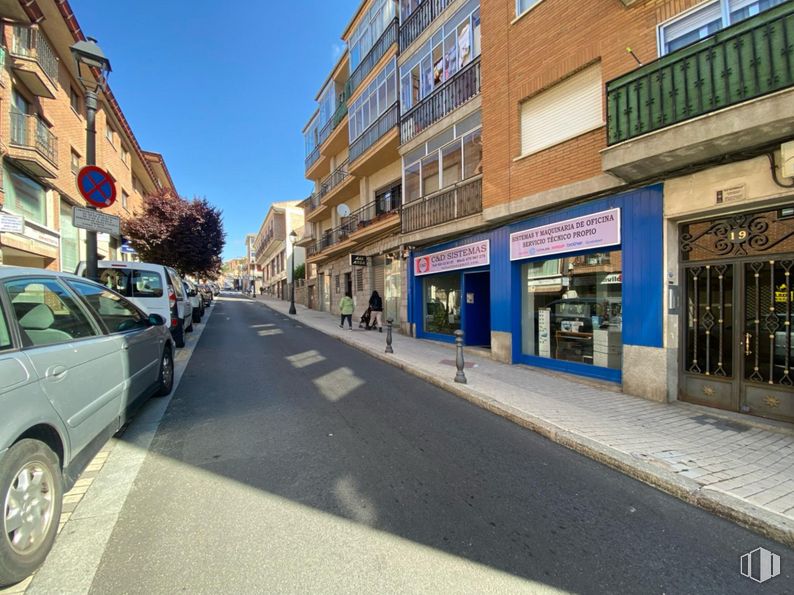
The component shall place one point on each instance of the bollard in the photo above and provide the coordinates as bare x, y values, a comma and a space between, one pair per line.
459, 376
388, 335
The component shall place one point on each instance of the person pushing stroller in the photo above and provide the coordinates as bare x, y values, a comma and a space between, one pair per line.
365, 318
376, 312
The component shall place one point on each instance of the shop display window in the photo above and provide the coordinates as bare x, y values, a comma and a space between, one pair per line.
442, 304
572, 309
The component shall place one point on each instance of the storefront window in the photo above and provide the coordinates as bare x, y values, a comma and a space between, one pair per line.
392, 287
572, 309
70, 240
442, 304
24, 196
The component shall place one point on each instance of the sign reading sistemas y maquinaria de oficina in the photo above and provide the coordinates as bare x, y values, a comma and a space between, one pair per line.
462, 257
583, 233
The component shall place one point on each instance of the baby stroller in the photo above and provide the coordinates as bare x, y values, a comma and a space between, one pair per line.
364, 321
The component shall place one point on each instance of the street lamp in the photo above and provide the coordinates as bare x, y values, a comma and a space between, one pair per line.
293, 237
87, 54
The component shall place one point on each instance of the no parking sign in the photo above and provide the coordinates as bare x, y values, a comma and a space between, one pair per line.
96, 186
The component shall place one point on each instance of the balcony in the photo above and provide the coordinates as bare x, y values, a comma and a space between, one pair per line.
372, 58
728, 93
420, 19
338, 187
335, 131
34, 61
462, 200
377, 146
374, 219
306, 237
313, 208
33, 146
443, 101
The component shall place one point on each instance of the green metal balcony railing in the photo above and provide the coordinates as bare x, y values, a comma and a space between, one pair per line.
746, 61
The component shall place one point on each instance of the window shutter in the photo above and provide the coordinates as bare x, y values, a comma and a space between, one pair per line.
693, 21
565, 111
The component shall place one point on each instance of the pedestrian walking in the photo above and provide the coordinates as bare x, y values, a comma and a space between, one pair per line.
346, 308
376, 316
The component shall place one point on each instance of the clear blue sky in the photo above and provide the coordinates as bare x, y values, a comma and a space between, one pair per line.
222, 90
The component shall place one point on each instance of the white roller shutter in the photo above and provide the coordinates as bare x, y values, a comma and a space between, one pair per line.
565, 111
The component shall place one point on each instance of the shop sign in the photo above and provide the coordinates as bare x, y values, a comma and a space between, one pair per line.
96, 221
582, 233
463, 257
358, 260
39, 236
11, 223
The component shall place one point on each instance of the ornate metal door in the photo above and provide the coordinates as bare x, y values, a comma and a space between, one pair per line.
736, 327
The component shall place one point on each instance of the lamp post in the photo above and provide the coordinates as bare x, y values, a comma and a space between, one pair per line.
87, 54
293, 237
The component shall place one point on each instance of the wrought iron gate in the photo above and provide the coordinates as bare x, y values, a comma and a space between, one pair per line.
737, 341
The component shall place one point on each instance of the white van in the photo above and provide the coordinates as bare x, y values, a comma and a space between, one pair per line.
155, 288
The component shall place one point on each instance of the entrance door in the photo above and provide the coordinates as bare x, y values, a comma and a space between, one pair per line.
738, 341
477, 309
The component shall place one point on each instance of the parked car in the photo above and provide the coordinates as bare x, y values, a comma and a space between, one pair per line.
75, 360
196, 302
215, 288
206, 293
154, 288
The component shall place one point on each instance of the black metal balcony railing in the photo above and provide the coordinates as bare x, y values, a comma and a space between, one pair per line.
746, 61
465, 198
420, 19
311, 203
388, 120
31, 43
333, 180
358, 219
312, 157
30, 132
369, 61
443, 101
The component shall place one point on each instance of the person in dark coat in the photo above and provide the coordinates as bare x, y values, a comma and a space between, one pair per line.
376, 314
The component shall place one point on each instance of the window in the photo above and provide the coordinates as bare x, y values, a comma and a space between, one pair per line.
563, 112
407, 7
24, 196
387, 199
124, 197
74, 99
369, 30
449, 157
573, 309
109, 133
75, 162
136, 185
442, 304
452, 48
116, 313
125, 155
706, 19
523, 6
5, 336
311, 135
70, 240
132, 282
46, 313
378, 97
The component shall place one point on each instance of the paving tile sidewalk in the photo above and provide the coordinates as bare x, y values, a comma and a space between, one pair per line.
742, 469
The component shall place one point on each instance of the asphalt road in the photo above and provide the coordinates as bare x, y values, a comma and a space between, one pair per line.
289, 462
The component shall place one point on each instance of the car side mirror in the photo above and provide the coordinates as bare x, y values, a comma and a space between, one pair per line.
156, 320
193, 293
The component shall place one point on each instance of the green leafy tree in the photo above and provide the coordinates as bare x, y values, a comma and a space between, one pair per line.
186, 235
300, 271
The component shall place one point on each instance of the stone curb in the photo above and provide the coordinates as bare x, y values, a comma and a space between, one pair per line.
733, 508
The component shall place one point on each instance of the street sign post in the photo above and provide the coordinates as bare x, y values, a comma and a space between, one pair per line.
96, 186
92, 220
11, 223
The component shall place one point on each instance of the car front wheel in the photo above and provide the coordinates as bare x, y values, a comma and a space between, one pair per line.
31, 489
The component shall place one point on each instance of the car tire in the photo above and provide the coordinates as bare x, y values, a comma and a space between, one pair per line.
166, 373
24, 548
179, 335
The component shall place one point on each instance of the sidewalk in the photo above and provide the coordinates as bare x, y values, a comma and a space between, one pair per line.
740, 468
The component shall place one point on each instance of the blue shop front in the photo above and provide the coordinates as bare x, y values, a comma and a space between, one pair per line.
568, 290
